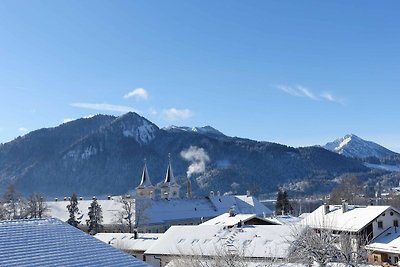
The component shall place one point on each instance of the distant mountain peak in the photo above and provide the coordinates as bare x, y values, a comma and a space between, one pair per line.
353, 146
132, 125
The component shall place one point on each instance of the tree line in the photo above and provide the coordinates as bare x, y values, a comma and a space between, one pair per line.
14, 206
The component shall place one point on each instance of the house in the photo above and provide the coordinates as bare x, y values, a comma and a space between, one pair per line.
160, 214
385, 248
50, 242
258, 243
362, 223
134, 244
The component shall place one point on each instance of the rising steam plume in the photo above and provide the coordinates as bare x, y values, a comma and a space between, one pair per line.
198, 158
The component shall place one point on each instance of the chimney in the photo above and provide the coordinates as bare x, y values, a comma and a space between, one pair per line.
109, 197
345, 206
65, 198
80, 198
56, 199
248, 194
231, 212
94, 197
211, 193
135, 234
326, 208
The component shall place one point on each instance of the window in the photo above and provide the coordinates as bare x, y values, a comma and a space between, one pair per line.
396, 259
380, 224
395, 223
375, 258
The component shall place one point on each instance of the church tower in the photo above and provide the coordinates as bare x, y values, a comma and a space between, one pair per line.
145, 189
169, 188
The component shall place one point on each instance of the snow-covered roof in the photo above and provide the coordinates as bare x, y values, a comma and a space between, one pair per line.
304, 214
353, 220
241, 204
110, 210
258, 241
127, 241
161, 211
227, 220
388, 241
50, 242
284, 219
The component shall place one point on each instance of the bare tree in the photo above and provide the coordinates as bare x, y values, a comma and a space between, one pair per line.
223, 257
141, 218
36, 206
14, 206
127, 215
313, 246
323, 246
349, 188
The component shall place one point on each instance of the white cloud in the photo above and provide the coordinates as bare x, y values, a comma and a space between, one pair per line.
290, 90
301, 91
307, 92
138, 93
174, 114
23, 130
105, 107
152, 111
330, 97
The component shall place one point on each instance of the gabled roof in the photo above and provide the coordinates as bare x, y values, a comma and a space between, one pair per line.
162, 211
388, 241
127, 241
353, 220
50, 242
145, 181
285, 219
259, 241
227, 220
240, 204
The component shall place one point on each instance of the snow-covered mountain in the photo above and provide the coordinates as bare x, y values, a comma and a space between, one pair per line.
353, 146
205, 130
104, 155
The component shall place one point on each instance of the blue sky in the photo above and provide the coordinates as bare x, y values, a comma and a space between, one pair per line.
298, 74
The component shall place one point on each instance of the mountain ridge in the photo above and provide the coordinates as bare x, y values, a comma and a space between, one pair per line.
104, 155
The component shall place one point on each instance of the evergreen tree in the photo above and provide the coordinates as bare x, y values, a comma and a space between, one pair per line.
95, 217
73, 210
287, 208
282, 205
